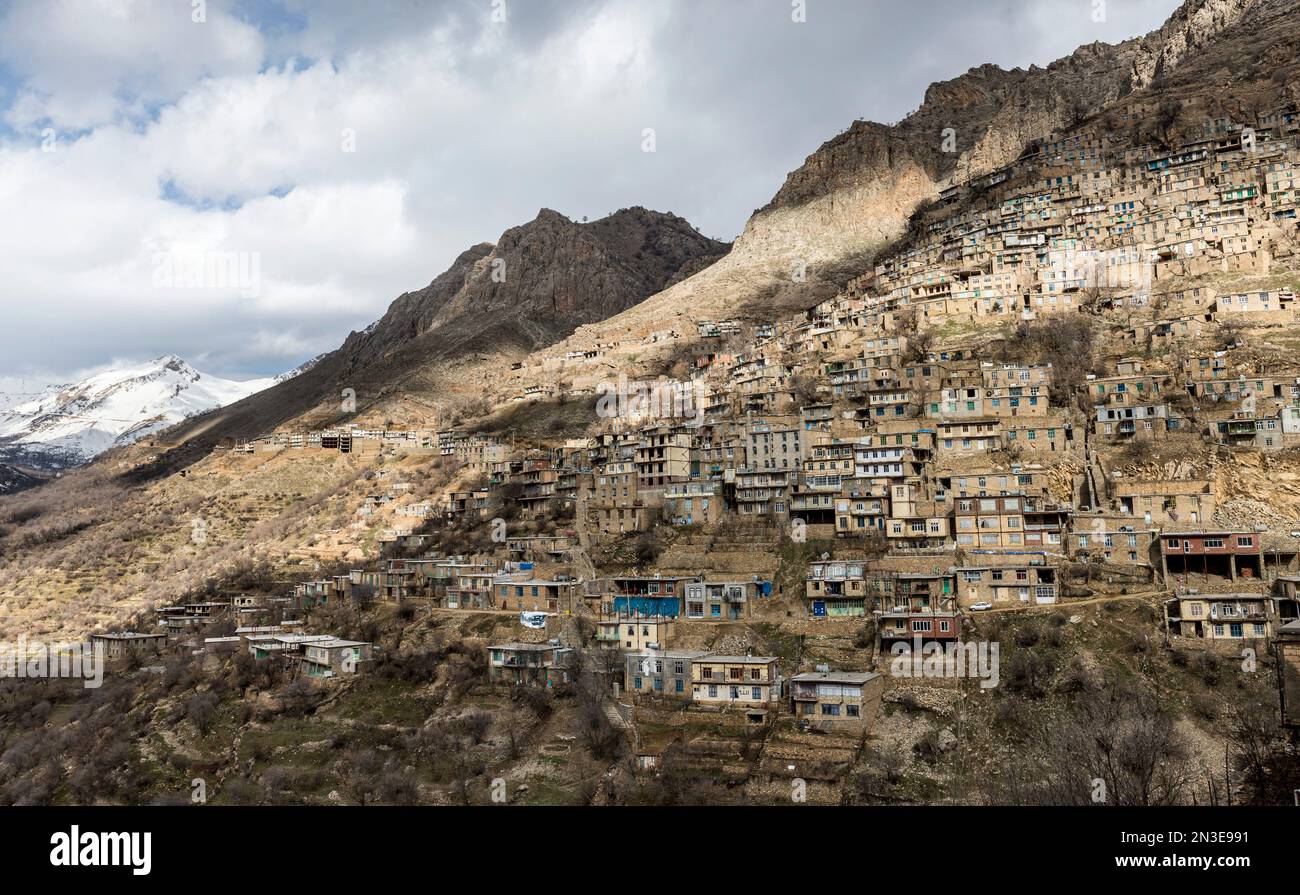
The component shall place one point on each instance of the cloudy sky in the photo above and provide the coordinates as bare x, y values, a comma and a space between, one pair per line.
243, 182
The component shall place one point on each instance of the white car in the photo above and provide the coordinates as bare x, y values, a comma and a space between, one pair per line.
980, 606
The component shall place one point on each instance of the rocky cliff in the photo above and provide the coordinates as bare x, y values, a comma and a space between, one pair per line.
539, 282
856, 192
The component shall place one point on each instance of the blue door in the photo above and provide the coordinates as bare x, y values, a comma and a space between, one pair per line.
819, 608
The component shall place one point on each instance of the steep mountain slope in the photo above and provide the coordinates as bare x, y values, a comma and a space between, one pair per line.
538, 283
13, 479
845, 205
69, 424
854, 195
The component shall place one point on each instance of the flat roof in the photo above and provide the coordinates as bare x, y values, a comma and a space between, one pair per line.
1209, 532
752, 660
845, 677
1233, 595
668, 653
526, 646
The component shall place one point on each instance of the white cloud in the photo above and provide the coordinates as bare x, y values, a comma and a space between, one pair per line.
88, 62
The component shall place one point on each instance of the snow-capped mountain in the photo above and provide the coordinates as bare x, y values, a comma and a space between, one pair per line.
16, 390
296, 371
70, 424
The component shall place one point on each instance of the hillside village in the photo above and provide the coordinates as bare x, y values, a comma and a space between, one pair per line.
942, 519
1050, 399
997, 397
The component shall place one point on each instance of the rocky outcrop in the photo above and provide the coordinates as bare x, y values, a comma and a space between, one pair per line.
541, 281
1192, 26
856, 193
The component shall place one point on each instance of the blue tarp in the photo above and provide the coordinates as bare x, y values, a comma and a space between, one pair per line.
648, 605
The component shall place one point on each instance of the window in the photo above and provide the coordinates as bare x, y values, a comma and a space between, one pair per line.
852, 711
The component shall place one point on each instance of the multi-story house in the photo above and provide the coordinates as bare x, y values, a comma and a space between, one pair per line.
661, 672
634, 632
1164, 502
968, 436
619, 505
720, 600
764, 492
646, 594
1206, 553
1218, 617
836, 588
862, 509
915, 605
1128, 422
1011, 579
836, 700
989, 523
693, 503
746, 681
532, 664
663, 458
522, 592
775, 447
335, 657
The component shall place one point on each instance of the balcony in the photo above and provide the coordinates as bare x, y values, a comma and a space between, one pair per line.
1237, 613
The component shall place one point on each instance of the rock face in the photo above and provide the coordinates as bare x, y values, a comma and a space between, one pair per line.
855, 194
1191, 26
540, 282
